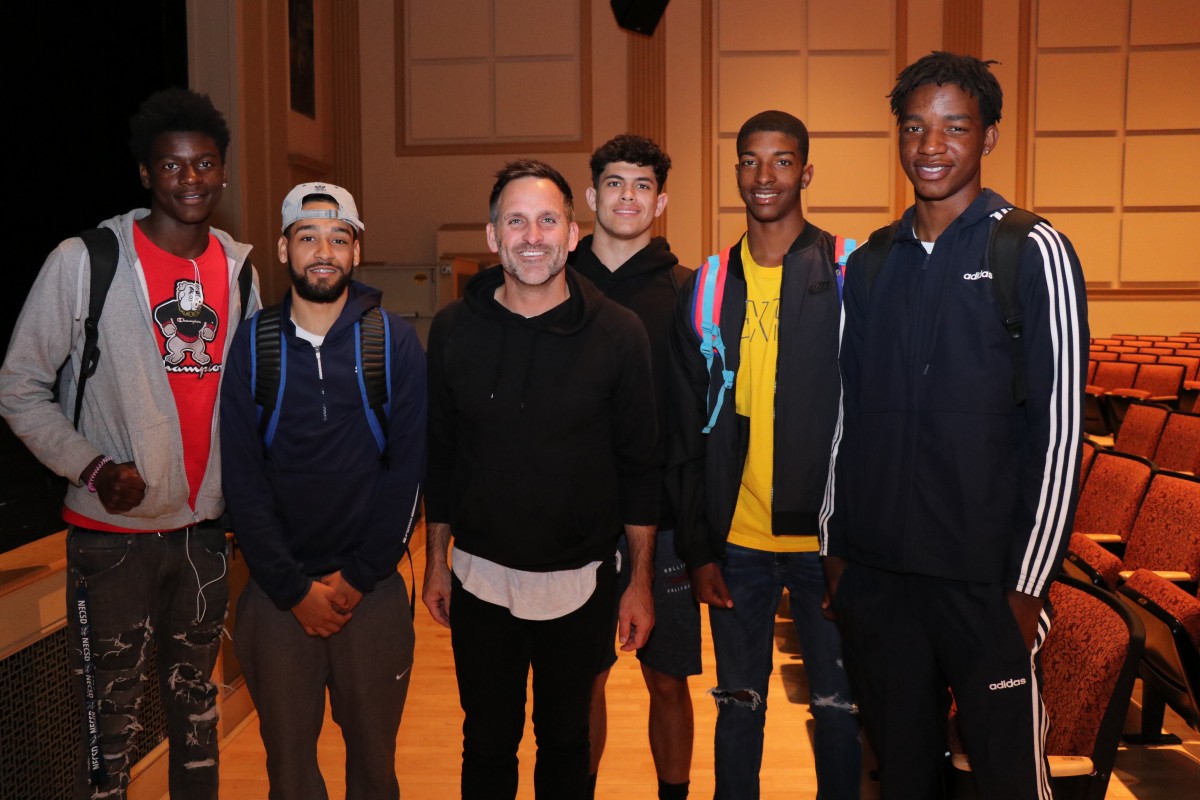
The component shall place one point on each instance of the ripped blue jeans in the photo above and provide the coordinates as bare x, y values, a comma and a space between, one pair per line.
169, 588
744, 643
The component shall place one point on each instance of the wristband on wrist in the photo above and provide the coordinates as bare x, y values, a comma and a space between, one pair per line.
91, 481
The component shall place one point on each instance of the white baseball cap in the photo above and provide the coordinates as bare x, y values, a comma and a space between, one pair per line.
294, 202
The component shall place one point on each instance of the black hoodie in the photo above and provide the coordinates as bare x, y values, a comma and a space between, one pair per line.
541, 430
645, 284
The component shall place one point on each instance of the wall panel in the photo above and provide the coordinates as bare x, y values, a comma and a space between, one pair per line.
1115, 136
1164, 22
1149, 251
1079, 23
1080, 92
1079, 172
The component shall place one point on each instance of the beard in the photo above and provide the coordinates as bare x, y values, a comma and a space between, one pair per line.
536, 273
318, 291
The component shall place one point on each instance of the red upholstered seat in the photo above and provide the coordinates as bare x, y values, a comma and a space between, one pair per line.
1089, 663
1166, 532
1141, 429
1088, 449
1109, 501
1081, 662
1179, 443
1170, 667
1170, 598
1088, 561
1190, 364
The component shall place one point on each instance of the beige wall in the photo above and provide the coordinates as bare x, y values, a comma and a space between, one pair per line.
1100, 127
408, 197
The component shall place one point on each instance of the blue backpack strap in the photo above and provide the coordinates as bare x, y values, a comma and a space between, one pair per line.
710, 289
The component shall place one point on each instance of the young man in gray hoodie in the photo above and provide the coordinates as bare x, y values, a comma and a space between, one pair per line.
146, 548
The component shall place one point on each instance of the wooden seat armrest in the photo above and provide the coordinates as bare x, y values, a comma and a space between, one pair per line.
1060, 766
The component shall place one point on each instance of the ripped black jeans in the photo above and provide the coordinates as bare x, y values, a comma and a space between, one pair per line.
124, 589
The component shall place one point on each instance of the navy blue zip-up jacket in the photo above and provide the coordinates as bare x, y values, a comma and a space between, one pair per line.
704, 474
323, 499
936, 470
541, 430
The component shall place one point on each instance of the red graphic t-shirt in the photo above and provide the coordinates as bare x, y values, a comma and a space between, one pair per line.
189, 299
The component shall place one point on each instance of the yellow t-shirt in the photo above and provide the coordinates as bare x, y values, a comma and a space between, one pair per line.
755, 398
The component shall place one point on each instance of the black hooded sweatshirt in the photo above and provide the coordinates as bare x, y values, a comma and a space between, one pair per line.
645, 284
542, 430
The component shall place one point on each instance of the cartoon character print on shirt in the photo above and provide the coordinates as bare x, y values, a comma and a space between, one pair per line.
187, 326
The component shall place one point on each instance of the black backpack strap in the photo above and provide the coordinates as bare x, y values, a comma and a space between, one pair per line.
245, 284
267, 368
878, 246
102, 257
373, 351
1004, 262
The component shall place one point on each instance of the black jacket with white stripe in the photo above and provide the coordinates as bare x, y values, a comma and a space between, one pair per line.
936, 470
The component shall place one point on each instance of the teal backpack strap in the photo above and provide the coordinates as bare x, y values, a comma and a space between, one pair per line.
710, 289
842, 248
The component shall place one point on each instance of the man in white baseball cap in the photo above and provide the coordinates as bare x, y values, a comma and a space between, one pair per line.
294, 205
322, 493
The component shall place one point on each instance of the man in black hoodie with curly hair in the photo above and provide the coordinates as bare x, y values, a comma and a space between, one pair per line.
637, 269
541, 452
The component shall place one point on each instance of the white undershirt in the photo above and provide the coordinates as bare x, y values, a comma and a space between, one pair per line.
316, 340
526, 595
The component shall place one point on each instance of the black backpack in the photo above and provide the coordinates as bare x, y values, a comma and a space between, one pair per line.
268, 370
1003, 261
102, 254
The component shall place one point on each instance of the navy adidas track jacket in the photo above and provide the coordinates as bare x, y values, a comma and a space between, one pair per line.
936, 470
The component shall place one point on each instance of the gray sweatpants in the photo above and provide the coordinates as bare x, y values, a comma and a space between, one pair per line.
366, 667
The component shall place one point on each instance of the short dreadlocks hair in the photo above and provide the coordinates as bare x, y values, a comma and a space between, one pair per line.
631, 149
175, 111
970, 74
775, 122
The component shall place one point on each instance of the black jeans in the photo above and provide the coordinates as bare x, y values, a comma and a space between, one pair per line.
493, 652
170, 586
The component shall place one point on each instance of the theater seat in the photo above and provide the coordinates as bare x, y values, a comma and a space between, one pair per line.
1170, 667
1109, 501
1141, 429
1158, 383
1089, 663
1109, 376
1088, 561
1088, 450
1165, 537
1179, 443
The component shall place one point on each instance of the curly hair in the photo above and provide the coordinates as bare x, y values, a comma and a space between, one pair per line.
970, 74
529, 168
175, 111
631, 149
775, 122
